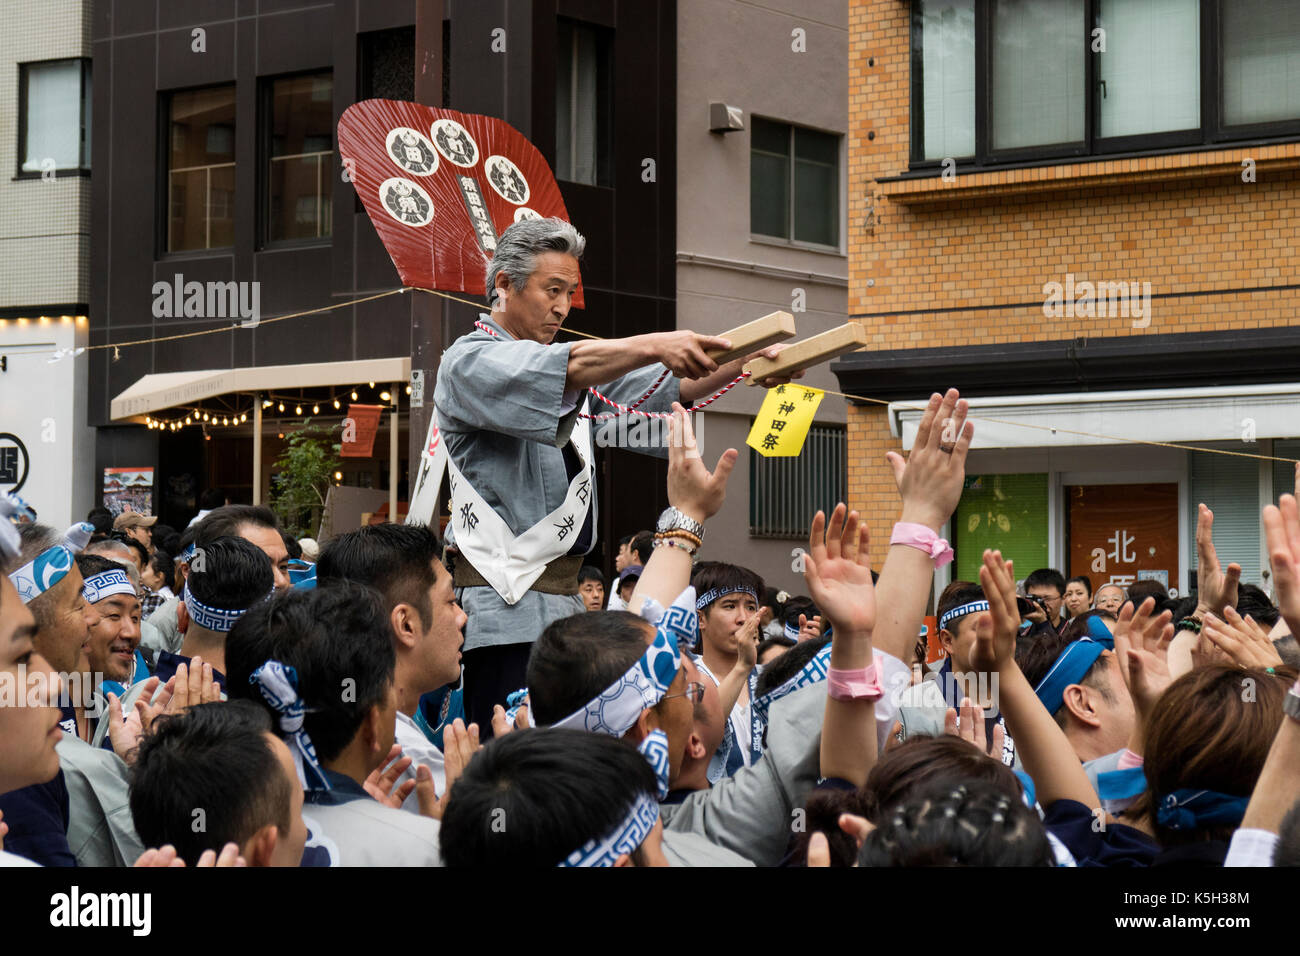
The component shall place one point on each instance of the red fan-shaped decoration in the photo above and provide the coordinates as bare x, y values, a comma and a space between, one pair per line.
441, 186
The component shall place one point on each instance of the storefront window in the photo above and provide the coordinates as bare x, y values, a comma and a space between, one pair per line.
1006, 512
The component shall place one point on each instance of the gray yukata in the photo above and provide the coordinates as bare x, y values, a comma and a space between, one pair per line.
751, 812
505, 417
101, 831
364, 832
161, 632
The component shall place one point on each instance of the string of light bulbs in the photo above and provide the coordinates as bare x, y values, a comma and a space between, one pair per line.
226, 418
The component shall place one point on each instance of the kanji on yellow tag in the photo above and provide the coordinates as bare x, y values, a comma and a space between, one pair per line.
783, 420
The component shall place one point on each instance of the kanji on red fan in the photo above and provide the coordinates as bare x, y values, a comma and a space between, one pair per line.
441, 186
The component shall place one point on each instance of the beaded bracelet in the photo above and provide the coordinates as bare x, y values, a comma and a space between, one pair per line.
1189, 624
674, 543
681, 533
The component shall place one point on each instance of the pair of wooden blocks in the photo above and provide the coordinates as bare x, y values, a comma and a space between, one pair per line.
778, 327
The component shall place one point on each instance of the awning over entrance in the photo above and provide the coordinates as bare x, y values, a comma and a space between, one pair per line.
168, 389
1240, 413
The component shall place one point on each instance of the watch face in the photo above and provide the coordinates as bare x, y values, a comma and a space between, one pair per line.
665, 520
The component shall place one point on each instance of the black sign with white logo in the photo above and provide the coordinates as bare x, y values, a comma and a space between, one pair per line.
13, 462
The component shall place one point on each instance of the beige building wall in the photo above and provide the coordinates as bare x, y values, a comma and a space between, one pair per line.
44, 261
44, 223
743, 53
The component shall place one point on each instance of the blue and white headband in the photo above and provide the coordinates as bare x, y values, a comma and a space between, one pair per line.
216, 619
278, 684
961, 611
710, 596
187, 553
105, 584
792, 631
42, 573
1190, 809
812, 673
624, 838
1069, 668
643, 685
682, 619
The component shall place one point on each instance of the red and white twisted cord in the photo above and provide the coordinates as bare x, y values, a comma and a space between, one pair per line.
631, 409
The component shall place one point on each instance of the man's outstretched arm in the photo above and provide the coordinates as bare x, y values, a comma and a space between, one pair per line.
684, 353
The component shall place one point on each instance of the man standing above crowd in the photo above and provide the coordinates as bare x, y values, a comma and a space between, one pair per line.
509, 407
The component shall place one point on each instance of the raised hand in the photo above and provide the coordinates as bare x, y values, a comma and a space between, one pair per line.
1216, 587
166, 857
819, 850
996, 628
692, 488
747, 644
125, 732
837, 569
970, 728
459, 744
229, 857
382, 780
193, 685
1142, 644
1244, 642
1282, 532
930, 480
501, 725
810, 628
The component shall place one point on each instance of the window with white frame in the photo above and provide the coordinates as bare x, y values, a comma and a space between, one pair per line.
54, 106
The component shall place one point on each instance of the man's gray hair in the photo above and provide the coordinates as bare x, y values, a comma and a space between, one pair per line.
32, 540
119, 552
519, 246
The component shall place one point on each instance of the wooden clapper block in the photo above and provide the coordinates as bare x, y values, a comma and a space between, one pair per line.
755, 335
809, 352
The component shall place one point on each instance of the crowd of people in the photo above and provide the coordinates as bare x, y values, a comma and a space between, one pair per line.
228, 696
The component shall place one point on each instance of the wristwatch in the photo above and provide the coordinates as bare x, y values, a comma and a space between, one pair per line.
1291, 703
674, 520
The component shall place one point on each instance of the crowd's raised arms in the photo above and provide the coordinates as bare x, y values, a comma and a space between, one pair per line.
482, 695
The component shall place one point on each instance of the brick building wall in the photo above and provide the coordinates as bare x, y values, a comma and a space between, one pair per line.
937, 262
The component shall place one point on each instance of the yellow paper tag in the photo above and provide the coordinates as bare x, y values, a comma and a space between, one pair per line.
783, 420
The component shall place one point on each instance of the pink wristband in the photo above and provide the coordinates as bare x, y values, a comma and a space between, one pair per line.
923, 539
860, 684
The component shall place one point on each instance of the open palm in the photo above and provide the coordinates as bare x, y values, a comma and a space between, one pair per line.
837, 569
